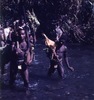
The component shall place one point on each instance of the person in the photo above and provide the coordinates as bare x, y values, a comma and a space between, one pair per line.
59, 32
20, 58
57, 58
2, 36
7, 30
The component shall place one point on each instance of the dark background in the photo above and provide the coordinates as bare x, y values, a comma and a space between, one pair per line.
51, 12
79, 35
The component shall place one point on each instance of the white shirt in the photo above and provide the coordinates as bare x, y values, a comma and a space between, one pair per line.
6, 31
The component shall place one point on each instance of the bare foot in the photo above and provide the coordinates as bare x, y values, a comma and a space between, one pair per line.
71, 68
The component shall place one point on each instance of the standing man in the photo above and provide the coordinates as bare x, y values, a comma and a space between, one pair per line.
20, 58
59, 55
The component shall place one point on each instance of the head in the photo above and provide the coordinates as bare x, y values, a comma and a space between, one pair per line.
22, 34
7, 24
60, 43
22, 21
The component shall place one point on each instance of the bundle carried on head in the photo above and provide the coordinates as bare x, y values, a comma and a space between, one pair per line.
49, 42
33, 19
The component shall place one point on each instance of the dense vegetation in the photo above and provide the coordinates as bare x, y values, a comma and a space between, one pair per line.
76, 17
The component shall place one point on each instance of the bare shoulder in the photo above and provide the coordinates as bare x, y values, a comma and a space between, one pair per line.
65, 48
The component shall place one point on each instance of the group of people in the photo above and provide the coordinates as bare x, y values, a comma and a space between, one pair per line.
18, 51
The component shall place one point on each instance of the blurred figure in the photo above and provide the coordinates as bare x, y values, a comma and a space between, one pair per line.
57, 58
20, 59
2, 36
7, 30
58, 32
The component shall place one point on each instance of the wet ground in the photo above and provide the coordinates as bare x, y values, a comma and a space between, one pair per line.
77, 85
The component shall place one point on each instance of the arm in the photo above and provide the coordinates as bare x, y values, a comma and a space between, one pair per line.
66, 60
18, 50
31, 55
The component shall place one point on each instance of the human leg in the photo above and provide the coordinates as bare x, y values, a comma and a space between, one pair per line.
51, 69
13, 73
60, 69
25, 74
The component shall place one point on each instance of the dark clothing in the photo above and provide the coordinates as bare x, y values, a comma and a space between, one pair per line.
59, 67
14, 71
55, 64
16, 60
5, 57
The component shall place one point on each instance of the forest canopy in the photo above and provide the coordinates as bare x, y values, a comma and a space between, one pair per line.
75, 17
